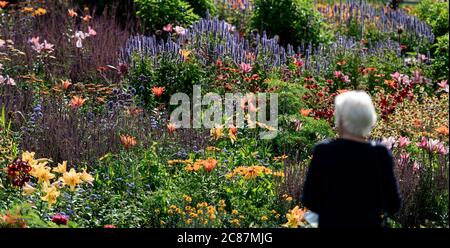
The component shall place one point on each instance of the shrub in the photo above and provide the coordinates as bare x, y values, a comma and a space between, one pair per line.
434, 12
440, 62
155, 14
299, 135
201, 7
294, 21
172, 75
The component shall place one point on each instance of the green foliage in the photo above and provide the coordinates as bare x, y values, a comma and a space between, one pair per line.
299, 141
202, 6
8, 146
294, 21
434, 12
441, 62
173, 76
155, 14
289, 96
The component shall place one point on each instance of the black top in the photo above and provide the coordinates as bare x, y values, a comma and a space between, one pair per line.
349, 183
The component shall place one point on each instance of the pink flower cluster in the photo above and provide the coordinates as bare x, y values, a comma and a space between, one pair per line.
41, 47
7, 80
433, 146
341, 76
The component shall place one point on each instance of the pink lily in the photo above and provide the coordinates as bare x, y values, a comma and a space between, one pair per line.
246, 67
403, 141
91, 31
168, 28
395, 76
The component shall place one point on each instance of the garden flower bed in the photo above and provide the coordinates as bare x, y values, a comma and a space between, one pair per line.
86, 138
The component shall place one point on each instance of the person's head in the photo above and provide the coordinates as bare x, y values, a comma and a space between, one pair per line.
354, 113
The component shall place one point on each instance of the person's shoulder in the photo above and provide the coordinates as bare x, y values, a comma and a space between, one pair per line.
324, 144
381, 148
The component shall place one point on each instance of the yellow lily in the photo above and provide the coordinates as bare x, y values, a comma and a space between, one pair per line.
28, 189
72, 179
61, 168
86, 177
52, 194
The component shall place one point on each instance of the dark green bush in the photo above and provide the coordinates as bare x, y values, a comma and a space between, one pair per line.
155, 14
202, 6
291, 140
294, 21
174, 76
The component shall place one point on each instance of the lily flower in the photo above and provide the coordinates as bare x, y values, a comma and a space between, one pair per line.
403, 141
168, 28
72, 179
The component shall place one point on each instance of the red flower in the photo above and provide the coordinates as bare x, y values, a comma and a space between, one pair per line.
219, 63
60, 219
109, 226
158, 91
122, 69
299, 63
171, 127
19, 172
233, 130
403, 47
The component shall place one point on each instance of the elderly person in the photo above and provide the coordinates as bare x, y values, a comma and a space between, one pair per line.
350, 181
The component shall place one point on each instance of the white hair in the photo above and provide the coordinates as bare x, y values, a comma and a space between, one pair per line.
354, 110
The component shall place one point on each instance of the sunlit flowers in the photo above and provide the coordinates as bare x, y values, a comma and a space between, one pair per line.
128, 141
28, 189
251, 172
295, 218
158, 91
185, 53
72, 13
76, 102
216, 133
39, 12
442, 130
51, 194
443, 85
171, 127
61, 168
71, 179
433, 146
305, 112
42, 172
27, 10
246, 67
86, 177
232, 134
403, 141
209, 164
187, 198
3, 4
65, 84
